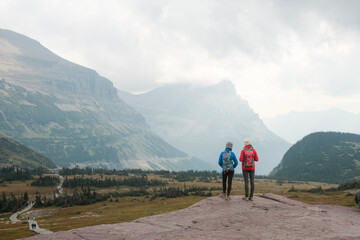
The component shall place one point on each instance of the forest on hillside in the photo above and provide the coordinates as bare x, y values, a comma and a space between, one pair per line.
329, 157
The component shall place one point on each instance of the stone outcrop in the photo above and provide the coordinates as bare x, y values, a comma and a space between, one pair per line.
269, 216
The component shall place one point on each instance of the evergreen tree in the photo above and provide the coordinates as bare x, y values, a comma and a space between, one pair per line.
26, 197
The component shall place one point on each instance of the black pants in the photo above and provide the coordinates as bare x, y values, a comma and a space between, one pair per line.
246, 174
229, 176
357, 198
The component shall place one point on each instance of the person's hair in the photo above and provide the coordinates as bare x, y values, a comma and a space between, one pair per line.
247, 142
229, 145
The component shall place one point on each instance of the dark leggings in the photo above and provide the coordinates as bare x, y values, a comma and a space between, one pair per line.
246, 174
357, 198
229, 175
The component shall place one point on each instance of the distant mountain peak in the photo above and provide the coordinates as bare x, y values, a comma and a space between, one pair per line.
226, 83
201, 119
223, 87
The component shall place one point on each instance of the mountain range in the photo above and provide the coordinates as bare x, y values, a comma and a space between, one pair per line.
296, 125
332, 157
72, 115
200, 120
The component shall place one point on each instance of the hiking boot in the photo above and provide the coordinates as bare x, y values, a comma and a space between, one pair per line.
245, 198
250, 198
227, 197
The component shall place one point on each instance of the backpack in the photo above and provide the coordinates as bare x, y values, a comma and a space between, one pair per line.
227, 162
248, 157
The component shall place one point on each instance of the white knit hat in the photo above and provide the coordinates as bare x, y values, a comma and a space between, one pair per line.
247, 142
229, 145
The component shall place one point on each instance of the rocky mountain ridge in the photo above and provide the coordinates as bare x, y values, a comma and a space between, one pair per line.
27, 63
72, 115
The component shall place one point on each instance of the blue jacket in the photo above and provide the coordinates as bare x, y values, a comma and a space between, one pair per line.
233, 157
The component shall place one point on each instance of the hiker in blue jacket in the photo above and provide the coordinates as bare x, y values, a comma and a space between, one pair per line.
228, 162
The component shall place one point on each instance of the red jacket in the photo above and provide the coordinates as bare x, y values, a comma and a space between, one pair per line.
242, 156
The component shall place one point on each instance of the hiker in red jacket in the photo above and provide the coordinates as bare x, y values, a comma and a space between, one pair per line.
248, 156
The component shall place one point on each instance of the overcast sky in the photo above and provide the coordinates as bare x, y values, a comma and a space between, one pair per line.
281, 55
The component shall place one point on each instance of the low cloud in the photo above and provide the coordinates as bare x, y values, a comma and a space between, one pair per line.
281, 55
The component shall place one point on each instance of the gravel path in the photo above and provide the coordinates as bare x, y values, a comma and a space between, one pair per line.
13, 218
33, 226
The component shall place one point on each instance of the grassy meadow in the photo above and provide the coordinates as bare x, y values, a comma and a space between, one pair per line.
124, 209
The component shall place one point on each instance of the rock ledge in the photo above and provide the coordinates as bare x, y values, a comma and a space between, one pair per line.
269, 216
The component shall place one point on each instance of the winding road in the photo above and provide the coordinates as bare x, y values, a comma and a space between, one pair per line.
33, 225
59, 187
13, 218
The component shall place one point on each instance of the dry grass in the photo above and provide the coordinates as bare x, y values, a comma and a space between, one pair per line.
127, 209
19, 187
10, 230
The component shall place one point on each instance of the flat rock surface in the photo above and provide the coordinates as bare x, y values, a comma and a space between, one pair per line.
269, 216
